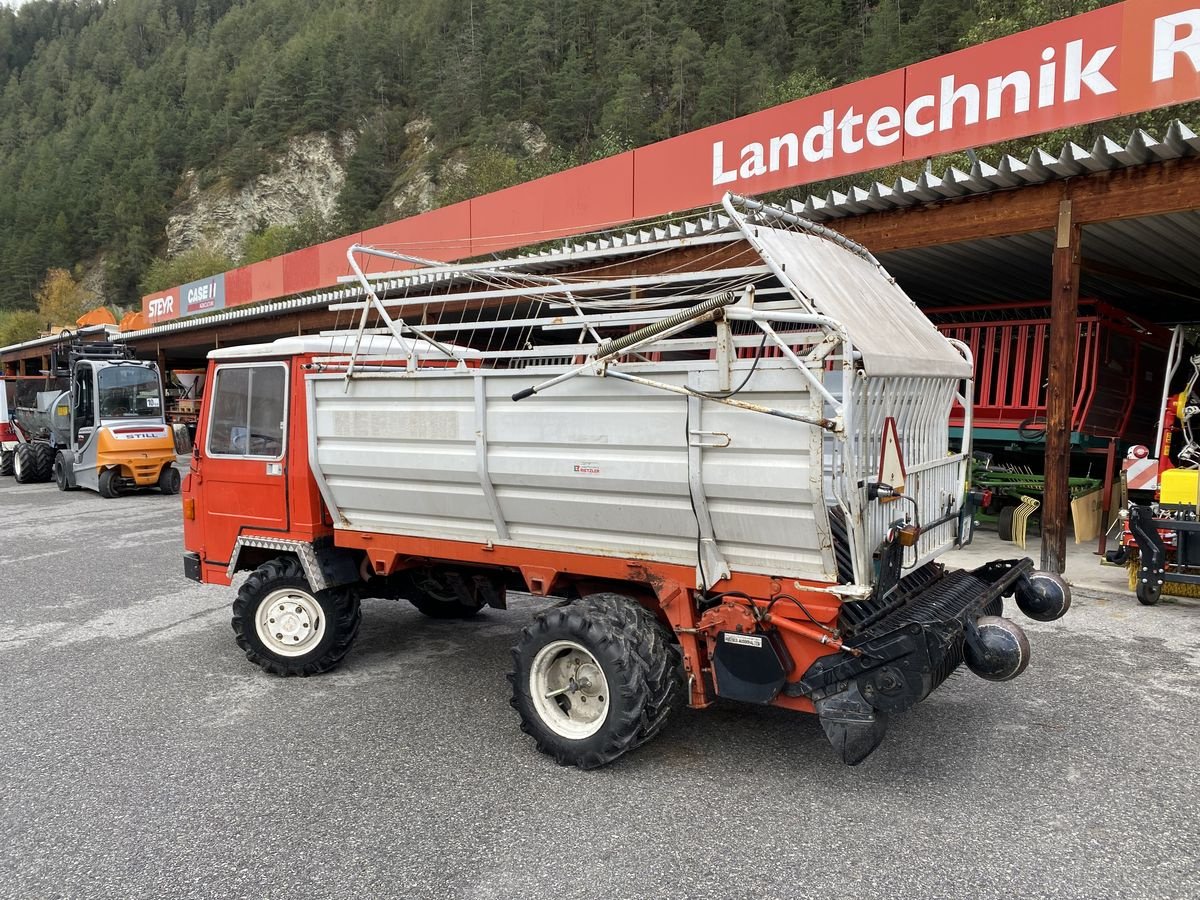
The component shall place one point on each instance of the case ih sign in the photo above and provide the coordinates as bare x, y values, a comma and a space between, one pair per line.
1119, 60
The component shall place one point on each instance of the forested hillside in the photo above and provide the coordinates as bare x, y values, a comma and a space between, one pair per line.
104, 104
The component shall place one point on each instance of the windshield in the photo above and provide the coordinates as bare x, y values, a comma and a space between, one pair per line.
129, 392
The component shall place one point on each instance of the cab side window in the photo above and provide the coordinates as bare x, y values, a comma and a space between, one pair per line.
249, 409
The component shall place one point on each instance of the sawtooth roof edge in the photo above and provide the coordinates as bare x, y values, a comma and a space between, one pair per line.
1041, 167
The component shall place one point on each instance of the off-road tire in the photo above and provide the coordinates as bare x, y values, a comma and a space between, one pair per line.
25, 464
62, 475
340, 607
169, 480
641, 664
44, 457
6, 462
107, 485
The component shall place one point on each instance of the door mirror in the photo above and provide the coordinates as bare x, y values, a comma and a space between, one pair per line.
183, 440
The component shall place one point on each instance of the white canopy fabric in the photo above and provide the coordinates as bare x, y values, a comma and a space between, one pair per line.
893, 335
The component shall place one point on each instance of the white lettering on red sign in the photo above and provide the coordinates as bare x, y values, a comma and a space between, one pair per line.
955, 105
1175, 36
162, 306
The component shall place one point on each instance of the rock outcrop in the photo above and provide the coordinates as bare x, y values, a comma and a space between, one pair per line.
306, 179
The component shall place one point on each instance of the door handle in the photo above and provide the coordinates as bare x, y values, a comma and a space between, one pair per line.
275, 468
721, 440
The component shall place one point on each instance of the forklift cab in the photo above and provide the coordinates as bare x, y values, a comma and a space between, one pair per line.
112, 423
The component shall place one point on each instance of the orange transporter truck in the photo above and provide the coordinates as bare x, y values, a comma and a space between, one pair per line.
720, 450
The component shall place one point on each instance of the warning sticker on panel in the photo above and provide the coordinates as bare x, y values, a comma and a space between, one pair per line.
746, 640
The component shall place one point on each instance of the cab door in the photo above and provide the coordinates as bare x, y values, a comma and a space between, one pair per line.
242, 464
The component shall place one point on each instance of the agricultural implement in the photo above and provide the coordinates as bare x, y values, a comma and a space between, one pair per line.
720, 452
1160, 540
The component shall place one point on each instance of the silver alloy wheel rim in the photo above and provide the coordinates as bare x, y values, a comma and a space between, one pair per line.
569, 690
290, 622
18, 469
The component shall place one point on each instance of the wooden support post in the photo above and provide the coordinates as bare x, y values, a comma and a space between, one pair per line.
1064, 336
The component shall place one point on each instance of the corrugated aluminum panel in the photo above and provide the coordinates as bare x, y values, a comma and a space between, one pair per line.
595, 466
893, 336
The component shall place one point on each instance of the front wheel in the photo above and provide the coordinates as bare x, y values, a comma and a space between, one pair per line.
62, 473
287, 628
6, 462
594, 679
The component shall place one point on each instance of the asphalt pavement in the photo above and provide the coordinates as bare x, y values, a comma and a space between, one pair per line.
141, 755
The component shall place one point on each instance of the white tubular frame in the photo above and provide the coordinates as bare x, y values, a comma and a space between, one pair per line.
852, 414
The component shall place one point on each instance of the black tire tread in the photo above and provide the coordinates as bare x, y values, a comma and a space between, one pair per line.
345, 622
659, 653
6, 462
26, 455
652, 686
44, 461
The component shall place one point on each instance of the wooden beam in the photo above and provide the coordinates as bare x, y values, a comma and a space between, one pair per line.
1149, 190
1064, 336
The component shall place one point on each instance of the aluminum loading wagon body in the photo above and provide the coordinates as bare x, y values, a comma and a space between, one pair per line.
739, 467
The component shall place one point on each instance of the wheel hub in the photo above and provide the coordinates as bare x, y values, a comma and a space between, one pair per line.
569, 689
289, 622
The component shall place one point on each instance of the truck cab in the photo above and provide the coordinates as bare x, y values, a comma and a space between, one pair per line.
249, 493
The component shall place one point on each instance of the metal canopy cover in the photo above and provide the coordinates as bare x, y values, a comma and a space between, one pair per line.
893, 336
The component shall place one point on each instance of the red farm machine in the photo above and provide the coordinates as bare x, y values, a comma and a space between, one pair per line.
722, 454
1120, 361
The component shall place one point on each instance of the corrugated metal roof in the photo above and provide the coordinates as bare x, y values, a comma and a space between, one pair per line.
1042, 166
55, 338
973, 273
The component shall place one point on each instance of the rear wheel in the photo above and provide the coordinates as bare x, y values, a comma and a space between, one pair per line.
25, 464
286, 627
43, 455
109, 484
6, 462
594, 679
168, 480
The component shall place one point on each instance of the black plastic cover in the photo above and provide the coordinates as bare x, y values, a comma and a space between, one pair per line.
748, 667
